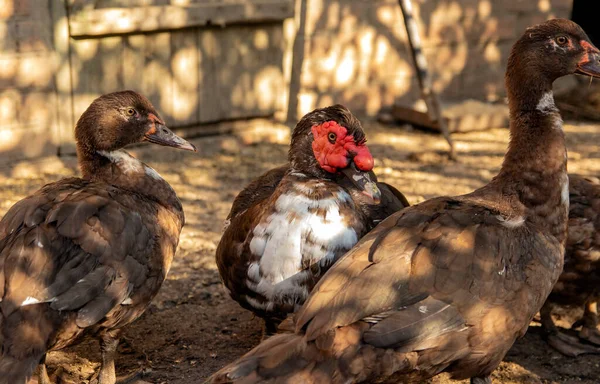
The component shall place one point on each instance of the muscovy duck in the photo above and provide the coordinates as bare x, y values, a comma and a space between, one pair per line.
287, 227
447, 285
87, 255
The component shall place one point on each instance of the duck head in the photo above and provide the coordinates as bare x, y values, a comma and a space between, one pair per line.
329, 143
548, 51
118, 119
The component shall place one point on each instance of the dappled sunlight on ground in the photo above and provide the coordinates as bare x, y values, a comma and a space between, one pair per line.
193, 328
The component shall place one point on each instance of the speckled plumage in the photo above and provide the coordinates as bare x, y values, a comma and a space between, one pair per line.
447, 285
579, 283
288, 226
87, 255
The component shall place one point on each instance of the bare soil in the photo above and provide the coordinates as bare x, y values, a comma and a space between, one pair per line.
193, 328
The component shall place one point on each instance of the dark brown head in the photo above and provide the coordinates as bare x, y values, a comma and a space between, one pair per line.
330, 143
548, 51
118, 119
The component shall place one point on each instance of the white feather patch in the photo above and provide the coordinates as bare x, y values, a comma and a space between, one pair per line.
30, 301
564, 193
126, 162
546, 103
266, 306
280, 242
288, 288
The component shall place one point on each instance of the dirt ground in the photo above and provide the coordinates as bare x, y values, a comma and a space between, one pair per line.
193, 328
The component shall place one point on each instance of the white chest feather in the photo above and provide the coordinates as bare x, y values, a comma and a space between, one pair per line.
129, 164
125, 162
297, 232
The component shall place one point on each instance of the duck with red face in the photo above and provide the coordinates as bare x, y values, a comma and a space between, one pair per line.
447, 285
291, 224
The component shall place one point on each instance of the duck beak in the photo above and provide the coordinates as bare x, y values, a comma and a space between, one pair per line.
589, 64
159, 134
362, 180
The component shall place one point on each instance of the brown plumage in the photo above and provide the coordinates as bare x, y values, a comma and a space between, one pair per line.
289, 225
449, 284
579, 284
87, 255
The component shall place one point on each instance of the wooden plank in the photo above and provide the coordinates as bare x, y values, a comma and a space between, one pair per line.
96, 66
186, 85
157, 80
87, 22
64, 119
134, 61
209, 93
146, 69
249, 73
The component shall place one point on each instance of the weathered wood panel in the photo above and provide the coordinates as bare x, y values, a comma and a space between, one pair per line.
248, 74
185, 61
187, 74
208, 49
28, 126
96, 69
88, 18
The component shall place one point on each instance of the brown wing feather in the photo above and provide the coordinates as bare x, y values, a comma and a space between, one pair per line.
392, 200
443, 248
392, 197
258, 190
580, 279
83, 248
444, 285
253, 202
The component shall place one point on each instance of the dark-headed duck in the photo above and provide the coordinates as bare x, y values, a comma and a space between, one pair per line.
447, 285
579, 283
291, 224
87, 255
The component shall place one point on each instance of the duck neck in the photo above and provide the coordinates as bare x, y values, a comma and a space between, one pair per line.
120, 169
535, 167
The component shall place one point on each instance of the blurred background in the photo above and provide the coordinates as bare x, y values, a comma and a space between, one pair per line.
207, 61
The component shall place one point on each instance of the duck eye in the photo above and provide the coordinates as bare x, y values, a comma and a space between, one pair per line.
130, 111
561, 40
332, 137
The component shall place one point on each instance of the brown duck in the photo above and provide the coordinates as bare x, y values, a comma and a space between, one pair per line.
87, 255
579, 284
447, 285
291, 224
